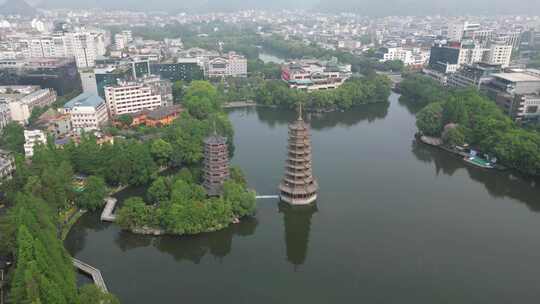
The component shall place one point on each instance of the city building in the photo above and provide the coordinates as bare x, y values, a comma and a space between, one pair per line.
111, 76
144, 94
185, 69
216, 164
298, 186
56, 123
31, 139
88, 80
7, 165
517, 92
232, 65
87, 112
21, 103
445, 58
312, 75
159, 117
473, 75
499, 54
414, 58
60, 74
84, 46
122, 39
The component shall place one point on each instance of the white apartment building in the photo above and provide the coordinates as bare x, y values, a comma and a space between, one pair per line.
21, 103
471, 53
87, 112
233, 65
31, 139
122, 39
133, 97
84, 46
499, 54
409, 57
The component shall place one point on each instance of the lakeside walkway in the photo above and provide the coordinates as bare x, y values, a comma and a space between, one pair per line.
239, 104
107, 214
93, 272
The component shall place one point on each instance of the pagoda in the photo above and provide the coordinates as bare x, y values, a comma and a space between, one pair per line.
298, 186
216, 164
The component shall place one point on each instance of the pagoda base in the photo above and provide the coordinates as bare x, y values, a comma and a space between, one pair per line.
298, 201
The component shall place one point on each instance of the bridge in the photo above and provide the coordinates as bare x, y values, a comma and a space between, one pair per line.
93, 272
267, 196
107, 214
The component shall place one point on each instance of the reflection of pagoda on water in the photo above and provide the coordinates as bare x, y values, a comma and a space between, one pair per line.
216, 164
298, 186
297, 220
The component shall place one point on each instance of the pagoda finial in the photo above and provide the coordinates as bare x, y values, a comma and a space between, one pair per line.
300, 111
214, 125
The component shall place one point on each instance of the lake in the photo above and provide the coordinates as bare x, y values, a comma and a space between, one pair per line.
395, 222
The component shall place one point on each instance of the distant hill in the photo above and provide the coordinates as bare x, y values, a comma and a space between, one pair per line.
17, 7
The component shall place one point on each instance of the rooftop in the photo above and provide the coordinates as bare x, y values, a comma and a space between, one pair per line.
84, 100
517, 77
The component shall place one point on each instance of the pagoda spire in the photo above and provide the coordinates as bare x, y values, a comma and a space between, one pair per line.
298, 186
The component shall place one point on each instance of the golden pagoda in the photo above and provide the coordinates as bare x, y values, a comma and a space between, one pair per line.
298, 186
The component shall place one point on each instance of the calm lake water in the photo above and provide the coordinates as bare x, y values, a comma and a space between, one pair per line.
395, 222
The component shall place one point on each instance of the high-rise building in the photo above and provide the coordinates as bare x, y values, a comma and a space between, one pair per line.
60, 74
499, 54
298, 186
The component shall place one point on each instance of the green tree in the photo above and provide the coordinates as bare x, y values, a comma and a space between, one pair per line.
159, 191
12, 138
161, 151
201, 99
242, 201
429, 120
178, 91
91, 294
125, 120
93, 194
454, 137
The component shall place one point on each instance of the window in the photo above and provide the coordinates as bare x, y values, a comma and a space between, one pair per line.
531, 109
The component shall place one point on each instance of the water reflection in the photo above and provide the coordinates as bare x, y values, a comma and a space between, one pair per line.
191, 248
499, 184
297, 220
411, 106
276, 117
76, 239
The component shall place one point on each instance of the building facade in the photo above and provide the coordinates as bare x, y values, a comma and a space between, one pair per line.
232, 65
312, 75
517, 93
132, 97
21, 106
31, 139
87, 112
60, 74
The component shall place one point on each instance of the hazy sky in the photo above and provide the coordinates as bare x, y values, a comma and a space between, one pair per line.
367, 7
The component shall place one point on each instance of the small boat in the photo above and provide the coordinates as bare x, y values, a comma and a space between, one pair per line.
479, 162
